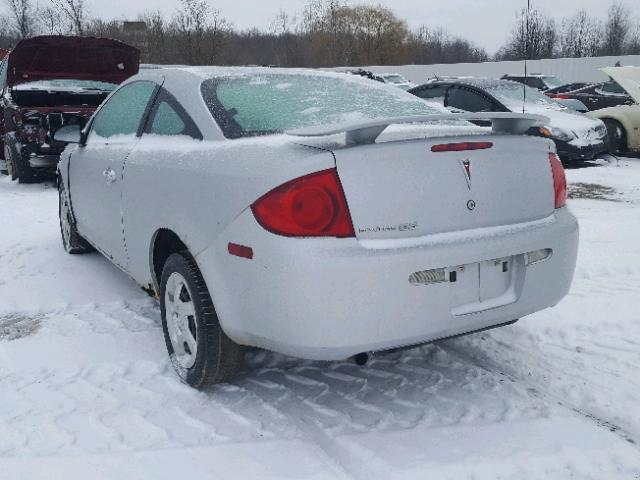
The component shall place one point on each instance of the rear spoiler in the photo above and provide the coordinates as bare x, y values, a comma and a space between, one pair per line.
368, 131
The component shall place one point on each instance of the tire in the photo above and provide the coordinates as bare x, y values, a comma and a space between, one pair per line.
617, 136
200, 351
9, 157
5, 170
72, 241
25, 173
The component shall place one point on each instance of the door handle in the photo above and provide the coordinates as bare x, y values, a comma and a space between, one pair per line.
109, 175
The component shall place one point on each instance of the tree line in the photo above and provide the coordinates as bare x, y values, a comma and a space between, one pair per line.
325, 33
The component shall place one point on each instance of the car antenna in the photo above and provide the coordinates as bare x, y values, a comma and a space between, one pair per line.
526, 56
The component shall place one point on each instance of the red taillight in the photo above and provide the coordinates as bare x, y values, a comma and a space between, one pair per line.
559, 180
461, 147
309, 206
558, 96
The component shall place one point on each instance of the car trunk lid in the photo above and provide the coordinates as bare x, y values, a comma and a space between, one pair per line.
404, 189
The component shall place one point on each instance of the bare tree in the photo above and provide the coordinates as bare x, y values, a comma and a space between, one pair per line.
51, 22
75, 13
22, 17
581, 36
533, 37
616, 30
201, 30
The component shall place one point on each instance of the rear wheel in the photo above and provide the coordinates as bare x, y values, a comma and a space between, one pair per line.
200, 351
617, 136
72, 241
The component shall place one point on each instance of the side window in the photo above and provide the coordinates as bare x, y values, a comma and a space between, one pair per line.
433, 93
166, 121
469, 100
168, 117
124, 111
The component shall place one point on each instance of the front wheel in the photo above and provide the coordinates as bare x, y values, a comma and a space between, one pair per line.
617, 136
72, 241
200, 351
10, 160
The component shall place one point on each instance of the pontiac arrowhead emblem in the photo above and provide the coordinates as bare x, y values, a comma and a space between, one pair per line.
466, 168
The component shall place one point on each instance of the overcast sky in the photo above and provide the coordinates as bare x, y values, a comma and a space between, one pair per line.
485, 22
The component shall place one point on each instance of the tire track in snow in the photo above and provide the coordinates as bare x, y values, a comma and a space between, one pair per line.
543, 394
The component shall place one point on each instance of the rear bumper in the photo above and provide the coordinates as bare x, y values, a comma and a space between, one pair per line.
328, 299
569, 152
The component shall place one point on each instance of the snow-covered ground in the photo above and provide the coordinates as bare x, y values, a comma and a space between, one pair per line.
87, 392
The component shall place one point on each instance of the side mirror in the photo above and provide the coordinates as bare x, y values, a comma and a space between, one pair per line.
68, 134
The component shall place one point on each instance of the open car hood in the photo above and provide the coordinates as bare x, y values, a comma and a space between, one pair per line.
80, 58
628, 78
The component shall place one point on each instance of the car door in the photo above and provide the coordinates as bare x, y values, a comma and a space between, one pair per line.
96, 167
157, 160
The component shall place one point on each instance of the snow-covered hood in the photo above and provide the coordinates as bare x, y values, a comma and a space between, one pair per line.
628, 78
81, 58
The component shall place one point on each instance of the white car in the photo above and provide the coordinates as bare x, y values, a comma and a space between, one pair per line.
623, 121
396, 80
275, 209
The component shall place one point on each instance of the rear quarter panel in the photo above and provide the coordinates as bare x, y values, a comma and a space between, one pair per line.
197, 188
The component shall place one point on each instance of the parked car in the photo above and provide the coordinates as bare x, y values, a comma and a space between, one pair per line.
396, 80
271, 209
576, 136
536, 80
598, 96
48, 82
565, 88
623, 121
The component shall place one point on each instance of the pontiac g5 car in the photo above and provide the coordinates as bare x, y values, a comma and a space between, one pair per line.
315, 214
48, 82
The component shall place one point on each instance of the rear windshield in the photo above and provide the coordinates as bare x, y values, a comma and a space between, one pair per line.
512, 95
273, 103
553, 82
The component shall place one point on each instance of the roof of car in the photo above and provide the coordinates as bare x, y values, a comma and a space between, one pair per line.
535, 75
478, 82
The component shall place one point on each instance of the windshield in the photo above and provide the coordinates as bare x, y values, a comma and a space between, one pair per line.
553, 82
394, 78
64, 85
511, 95
273, 103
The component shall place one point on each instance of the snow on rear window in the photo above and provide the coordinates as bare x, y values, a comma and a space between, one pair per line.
511, 94
273, 103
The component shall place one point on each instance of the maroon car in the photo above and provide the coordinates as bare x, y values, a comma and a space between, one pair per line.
51, 81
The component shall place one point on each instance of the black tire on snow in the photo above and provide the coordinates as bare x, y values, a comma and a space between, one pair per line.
617, 136
5, 170
218, 358
26, 174
10, 154
72, 241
